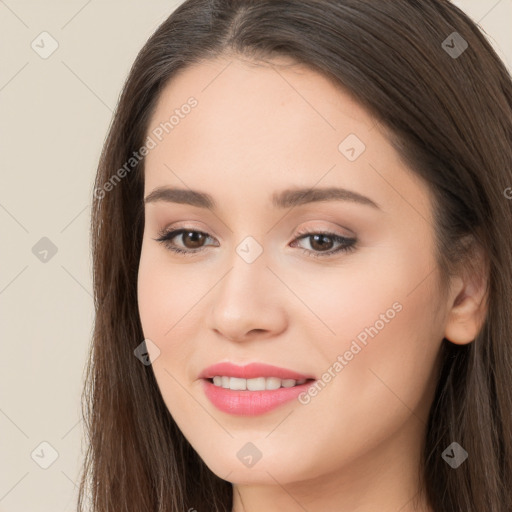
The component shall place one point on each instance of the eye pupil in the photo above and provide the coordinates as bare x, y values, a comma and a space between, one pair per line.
319, 241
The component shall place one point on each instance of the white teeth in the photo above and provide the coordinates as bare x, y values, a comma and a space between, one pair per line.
272, 383
237, 384
256, 384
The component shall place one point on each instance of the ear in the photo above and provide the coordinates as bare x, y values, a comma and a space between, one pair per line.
468, 299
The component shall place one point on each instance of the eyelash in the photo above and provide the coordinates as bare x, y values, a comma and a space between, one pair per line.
165, 238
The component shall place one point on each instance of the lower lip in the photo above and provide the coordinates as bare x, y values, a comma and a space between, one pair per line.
250, 403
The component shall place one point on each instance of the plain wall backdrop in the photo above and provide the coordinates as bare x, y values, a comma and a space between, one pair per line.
55, 111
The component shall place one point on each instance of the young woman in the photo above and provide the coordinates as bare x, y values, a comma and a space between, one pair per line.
303, 265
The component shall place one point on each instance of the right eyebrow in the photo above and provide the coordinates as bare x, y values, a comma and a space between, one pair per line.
182, 196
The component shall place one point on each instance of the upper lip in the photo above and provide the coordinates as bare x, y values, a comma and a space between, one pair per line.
250, 371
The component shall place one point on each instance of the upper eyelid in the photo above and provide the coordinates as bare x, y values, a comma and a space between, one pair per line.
312, 230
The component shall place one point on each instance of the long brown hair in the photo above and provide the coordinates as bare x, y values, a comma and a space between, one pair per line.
450, 118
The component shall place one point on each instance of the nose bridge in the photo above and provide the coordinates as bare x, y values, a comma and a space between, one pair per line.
250, 250
247, 269
243, 301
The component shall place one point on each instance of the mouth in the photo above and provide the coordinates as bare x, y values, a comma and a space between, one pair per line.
252, 389
252, 397
255, 384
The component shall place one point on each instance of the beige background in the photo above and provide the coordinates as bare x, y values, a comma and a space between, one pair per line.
54, 117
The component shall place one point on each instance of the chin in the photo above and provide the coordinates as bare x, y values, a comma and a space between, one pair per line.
264, 472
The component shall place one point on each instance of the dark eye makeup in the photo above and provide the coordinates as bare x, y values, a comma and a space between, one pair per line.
316, 238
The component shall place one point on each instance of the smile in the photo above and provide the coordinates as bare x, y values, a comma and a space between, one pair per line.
256, 384
252, 389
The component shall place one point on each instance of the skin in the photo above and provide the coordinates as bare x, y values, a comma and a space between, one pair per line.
256, 130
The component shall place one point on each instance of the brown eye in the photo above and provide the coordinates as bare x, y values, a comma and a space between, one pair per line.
320, 242
193, 239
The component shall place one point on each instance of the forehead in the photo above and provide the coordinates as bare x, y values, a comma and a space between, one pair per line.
258, 127
259, 97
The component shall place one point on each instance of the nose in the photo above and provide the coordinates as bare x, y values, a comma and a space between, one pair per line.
247, 303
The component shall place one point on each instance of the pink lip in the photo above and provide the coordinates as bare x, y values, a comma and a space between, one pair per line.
250, 371
250, 403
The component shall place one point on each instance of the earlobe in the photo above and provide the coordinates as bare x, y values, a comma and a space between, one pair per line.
465, 321
468, 303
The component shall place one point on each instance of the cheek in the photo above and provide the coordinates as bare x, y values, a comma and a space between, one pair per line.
391, 317
385, 298
165, 309
165, 301
389, 351
152, 301
384, 351
171, 306
164, 294
388, 342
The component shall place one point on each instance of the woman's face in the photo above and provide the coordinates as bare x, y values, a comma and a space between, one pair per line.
265, 279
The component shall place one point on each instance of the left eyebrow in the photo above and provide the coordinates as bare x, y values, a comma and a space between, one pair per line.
284, 199
296, 197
